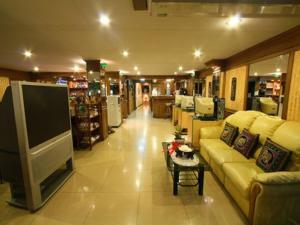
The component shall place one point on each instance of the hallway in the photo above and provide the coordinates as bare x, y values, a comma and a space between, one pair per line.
124, 181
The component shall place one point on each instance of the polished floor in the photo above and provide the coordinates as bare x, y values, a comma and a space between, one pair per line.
124, 181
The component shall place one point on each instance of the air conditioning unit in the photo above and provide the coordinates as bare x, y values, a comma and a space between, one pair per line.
222, 8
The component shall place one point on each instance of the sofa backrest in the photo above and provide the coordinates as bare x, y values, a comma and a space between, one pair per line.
288, 136
243, 119
265, 126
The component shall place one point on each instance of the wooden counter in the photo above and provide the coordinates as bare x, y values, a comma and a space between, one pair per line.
158, 105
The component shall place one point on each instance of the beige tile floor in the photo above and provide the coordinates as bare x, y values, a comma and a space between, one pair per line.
124, 181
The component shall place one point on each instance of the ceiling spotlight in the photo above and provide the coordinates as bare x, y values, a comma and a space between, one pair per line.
180, 68
76, 68
36, 69
125, 53
135, 68
197, 53
138, 73
278, 70
27, 54
255, 74
104, 20
175, 73
234, 21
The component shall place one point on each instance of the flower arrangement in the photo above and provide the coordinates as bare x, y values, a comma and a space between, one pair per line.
178, 132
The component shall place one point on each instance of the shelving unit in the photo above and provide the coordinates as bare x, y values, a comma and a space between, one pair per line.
87, 122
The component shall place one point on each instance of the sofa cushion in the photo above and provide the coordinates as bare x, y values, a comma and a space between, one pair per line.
273, 157
210, 144
243, 119
221, 156
265, 126
287, 135
241, 175
245, 143
229, 133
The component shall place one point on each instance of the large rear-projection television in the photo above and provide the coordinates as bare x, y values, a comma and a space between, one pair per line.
36, 152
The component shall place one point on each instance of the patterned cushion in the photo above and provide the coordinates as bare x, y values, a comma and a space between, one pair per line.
245, 143
273, 157
229, 133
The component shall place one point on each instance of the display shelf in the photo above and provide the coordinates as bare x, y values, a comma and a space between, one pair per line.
87, 123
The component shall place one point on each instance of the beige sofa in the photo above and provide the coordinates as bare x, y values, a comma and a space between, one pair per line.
265, 198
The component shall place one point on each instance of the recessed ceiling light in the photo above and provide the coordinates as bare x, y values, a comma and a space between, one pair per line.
76, 68
138, 73
125, 53
197, 53
255, 74
278, 70
104, 20
234, 21
135, 68
180, 68
175, 73
27, 54
36, 69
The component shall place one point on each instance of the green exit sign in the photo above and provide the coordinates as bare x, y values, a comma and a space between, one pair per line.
103, 65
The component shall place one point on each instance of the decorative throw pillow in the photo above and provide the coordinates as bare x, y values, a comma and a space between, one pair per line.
245, 143
229, 133
272, 157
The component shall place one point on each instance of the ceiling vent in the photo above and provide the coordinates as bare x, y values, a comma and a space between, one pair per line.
222, 8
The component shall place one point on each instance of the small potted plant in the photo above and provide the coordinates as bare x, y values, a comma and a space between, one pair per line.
177, 133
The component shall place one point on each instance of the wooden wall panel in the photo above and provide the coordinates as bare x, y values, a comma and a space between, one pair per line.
208, 80
222, 85
293, 111
4, 83
15, 74
241, 75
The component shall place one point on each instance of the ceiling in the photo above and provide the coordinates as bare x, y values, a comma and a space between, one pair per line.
62, 33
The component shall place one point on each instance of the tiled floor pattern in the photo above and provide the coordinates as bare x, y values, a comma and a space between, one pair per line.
124, 181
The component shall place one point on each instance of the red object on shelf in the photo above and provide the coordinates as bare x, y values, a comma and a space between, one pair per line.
174, 146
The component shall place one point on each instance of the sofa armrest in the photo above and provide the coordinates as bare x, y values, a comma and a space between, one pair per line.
278, 178
275, 198
210, 132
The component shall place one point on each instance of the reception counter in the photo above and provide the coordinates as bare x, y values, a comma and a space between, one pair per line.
159, 106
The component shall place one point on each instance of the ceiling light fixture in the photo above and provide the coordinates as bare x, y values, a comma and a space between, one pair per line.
27, 54
278, 70
125, 53
197, 53
76, 68
135, 68
175, 73
234, 21
36, 69
104, 20
138, 73
180, 68
255, 74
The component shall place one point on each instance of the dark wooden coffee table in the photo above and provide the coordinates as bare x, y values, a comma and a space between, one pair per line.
192, 170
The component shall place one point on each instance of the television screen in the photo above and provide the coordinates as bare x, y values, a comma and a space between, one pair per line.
46, 112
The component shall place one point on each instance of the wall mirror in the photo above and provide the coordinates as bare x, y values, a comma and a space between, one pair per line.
266, 85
